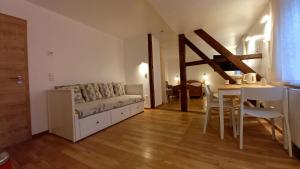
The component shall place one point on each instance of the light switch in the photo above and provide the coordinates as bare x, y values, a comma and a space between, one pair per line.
51, 77
50, 53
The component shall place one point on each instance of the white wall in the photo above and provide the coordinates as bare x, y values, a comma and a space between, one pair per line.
80, 54
157, 71
136, 52
261, 66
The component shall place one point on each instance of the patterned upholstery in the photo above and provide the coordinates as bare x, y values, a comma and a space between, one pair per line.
98, 106
90, 92
119, 89
78, 98
89, 108
106, 90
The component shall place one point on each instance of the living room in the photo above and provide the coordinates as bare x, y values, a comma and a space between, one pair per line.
84, 83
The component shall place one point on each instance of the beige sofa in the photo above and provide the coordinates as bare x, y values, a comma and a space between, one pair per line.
77, 111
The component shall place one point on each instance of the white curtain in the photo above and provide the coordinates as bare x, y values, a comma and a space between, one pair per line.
286, 36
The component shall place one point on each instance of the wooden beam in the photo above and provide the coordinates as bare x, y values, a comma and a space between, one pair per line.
151, 73
198, 62
250, 56
212, 64
221, 58
183, 87
223, 51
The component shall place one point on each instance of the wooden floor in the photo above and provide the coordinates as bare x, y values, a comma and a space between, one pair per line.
195, 105
157, 139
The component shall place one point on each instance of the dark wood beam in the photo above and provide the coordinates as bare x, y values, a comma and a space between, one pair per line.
198, 62
151, 73
212, 64
183, 87
221, 58
226, 53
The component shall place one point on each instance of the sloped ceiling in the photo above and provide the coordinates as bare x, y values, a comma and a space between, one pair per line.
122, 18
226, 20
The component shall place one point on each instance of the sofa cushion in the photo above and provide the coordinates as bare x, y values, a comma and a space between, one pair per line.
89, 108
78, 98
106, 90
94, 107
119, 89
90, 92
120, 101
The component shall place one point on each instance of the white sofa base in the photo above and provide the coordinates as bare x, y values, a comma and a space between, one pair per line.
97, 122
64, 122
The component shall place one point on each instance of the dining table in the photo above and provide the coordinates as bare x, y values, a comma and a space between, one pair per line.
232, 90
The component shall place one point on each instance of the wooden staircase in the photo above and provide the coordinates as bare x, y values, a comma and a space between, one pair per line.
225, 57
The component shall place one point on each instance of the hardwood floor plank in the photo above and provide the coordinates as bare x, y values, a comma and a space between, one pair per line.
157, 139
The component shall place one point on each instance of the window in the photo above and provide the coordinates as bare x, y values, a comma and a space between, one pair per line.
288, 40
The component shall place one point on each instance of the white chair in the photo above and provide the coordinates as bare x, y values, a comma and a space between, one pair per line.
213, 102
273, 94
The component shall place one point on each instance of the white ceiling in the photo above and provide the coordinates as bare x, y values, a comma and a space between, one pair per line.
122, 18
226, 20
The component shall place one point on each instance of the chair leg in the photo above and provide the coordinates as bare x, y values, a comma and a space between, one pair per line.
273, 129
233, 122
206, 119
230, 120
241, 129
209, 117
238, 123
284, 132
288, 133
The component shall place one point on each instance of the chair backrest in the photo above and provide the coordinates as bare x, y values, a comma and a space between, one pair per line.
271, 94
263, 94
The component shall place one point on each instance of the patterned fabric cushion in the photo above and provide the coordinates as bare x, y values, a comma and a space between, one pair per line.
89, 108
90, 92
119, 89
77, 92
98, 106
106, 90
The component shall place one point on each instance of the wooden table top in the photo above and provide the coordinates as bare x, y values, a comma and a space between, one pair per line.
236, 86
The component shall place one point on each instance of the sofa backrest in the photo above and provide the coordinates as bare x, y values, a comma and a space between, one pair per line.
95, 91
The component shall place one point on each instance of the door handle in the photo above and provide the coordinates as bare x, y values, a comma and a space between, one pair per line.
19, 79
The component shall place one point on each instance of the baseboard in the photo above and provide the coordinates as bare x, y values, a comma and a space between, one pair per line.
40, 134
158, 105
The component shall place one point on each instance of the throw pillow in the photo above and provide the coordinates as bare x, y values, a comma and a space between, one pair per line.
78, 98
106, 90
119, 89
90, 92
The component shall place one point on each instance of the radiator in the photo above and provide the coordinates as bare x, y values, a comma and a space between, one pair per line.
294, 115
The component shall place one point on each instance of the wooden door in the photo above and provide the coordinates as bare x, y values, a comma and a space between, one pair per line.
14, 90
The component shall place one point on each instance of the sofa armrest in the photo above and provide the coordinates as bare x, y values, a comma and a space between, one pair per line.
134, 89
61, 112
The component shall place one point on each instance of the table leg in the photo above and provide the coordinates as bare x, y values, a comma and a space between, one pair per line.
221, 111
